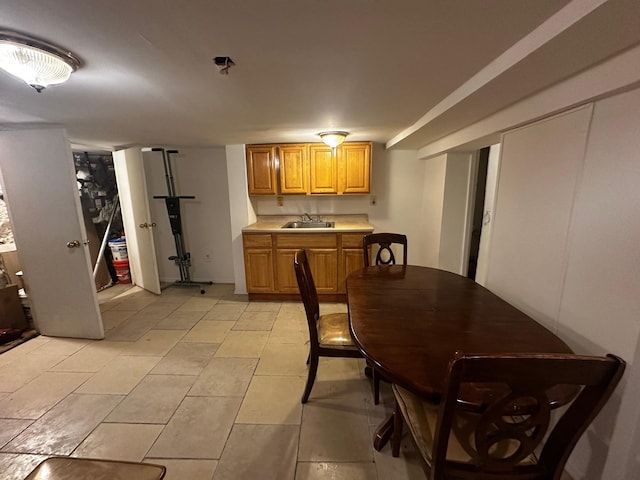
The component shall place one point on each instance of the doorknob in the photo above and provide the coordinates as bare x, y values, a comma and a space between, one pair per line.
153, 224
73, 244
147, 225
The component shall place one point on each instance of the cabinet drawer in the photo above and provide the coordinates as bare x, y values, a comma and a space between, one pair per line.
256, 240
293, 240
352, 240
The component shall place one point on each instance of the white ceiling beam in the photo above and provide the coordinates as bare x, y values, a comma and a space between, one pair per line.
616, 74
564, 18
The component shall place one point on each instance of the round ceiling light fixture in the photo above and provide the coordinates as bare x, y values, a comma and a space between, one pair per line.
36, 62
333, 138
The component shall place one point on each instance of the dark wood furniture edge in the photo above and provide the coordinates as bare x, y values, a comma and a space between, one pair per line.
383, 433
295, 297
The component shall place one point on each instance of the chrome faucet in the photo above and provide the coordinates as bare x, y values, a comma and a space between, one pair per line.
306, 216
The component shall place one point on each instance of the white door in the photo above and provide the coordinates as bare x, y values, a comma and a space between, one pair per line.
138, 224
44, 206
487, 214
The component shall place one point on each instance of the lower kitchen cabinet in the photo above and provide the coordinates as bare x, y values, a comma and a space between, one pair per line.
351, 258
322, 251
324, 267
286, 277
332, 256
258, 263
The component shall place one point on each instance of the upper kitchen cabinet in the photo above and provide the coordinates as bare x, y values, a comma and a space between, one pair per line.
324, 169
311, 169
345, 169
354, 165
294, 169
261, 169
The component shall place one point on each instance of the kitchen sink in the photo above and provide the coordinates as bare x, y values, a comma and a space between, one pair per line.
309, 225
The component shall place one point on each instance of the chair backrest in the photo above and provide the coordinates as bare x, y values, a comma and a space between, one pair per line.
514, 423
308, 292
384, 254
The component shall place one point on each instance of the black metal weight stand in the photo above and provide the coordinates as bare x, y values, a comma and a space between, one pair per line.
182, 258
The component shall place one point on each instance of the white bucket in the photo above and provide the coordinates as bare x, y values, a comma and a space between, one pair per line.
118, 249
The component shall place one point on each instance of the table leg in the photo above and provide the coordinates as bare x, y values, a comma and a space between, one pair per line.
368, 371
383, 433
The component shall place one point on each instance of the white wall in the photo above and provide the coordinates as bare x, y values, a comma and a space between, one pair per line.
206, 221
600, 304
314, 205
447, 189
541, 165
459, 188
565, 250
434, 181
241, 210
397, 182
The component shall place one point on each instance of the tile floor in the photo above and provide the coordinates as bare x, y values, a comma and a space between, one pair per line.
208, 385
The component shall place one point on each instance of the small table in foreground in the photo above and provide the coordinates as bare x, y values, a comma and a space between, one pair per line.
61, 468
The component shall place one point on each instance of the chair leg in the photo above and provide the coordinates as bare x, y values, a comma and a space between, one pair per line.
313, 368
396, 438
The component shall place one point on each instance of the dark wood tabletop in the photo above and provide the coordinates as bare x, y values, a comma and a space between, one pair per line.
409, 321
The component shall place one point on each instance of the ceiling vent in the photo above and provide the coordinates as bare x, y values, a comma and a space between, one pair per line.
224, 63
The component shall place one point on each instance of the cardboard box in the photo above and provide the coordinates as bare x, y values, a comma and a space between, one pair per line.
11, 312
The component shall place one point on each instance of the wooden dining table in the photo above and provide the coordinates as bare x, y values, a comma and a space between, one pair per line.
409, 321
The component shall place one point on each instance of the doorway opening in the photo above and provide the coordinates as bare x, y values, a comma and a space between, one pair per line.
98, 191
478, 212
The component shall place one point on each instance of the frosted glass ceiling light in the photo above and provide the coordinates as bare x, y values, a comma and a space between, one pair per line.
333, 139
38, 63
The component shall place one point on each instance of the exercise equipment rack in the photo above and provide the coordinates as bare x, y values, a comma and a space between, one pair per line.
182, 258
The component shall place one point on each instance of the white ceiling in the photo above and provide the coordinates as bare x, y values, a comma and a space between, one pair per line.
402, 72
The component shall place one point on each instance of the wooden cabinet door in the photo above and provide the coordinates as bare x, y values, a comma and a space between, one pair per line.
258, 262
259, 270
322, 253
354, 162
324, 169
286, 281
352, 259
294, 169
261, 169
324, 268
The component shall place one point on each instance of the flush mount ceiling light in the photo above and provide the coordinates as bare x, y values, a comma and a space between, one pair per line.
38, 63
333, 139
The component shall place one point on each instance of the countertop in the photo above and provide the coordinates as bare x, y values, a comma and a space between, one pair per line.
343, 223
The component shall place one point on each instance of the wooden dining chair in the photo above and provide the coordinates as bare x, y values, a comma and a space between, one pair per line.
329, 334
380, 245
517, 434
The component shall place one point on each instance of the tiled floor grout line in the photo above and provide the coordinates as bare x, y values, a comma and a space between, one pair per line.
290, 317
